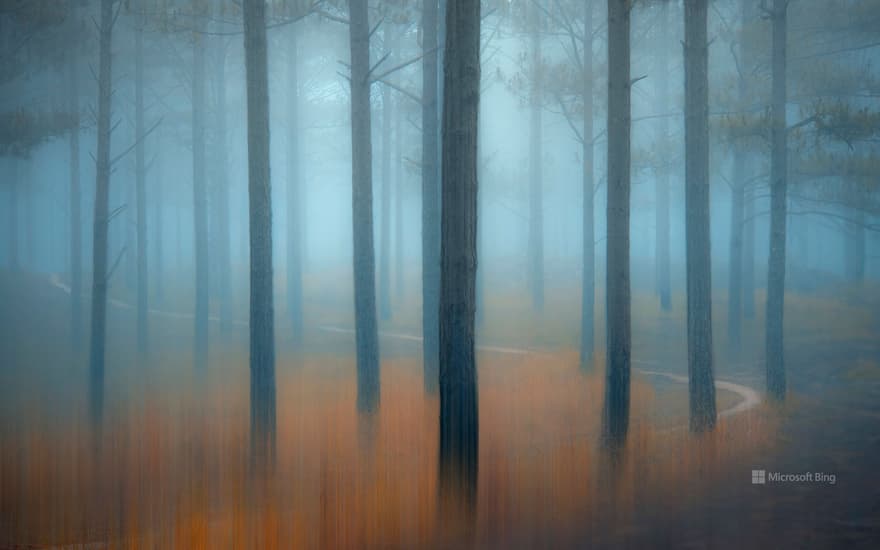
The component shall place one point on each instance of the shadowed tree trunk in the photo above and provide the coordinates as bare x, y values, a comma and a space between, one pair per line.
140, 188
399, 276
664, 290
385, 205
294, 207
588, 283
221, 192
617, 278
262, 314
158, 228
748, 254
366, 333
701, 381
100, 224
430, 197
200, 198
14, 261
458, 373
75, 210
536, 197
778, 184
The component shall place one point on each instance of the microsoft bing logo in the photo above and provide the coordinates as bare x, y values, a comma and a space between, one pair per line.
758, 477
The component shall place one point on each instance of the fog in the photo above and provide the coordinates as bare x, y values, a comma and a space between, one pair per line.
299, 322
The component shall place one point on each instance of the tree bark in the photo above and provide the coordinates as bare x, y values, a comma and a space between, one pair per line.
294, 207
430, 197
262, 315
617, 275
366, 333
536, 196
100, 223
75, 211
200, 198
588, 283
701, 380
778, 207
140, 189
458, 375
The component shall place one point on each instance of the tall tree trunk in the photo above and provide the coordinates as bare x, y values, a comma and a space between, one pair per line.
701, 380
458, 373
221, 192
14, 261
294, 207
536, 196
101, 223
200, 198
140, 189
75, 210
748, 254
588, 283
778, 184
735, 265
385, 205
430, 197
262, 313
366, 332
664, 290
617, 277
399, 184
158, 229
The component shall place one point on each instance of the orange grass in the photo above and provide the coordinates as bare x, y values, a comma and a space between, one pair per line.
173, 471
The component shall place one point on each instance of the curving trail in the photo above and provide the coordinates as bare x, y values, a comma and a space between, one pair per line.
750, 397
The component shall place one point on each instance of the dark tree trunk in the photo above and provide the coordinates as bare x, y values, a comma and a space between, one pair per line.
100, 224
430, 197
200, 197
366, 333
778, 184
701, 380
536, 196
458, 373
588, 283
294, 207
262, 313
617, 278
221, 194
385, 205
140, 189
664, 290
75, 212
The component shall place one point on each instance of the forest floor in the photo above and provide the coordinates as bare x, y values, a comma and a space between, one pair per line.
170, 468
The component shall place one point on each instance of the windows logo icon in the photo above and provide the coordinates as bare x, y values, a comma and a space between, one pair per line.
759, 477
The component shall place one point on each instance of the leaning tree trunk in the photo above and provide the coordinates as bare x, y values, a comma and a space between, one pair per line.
430, 197
366, 333
778, 184
200, 198
262, 313
458, 256
536, 197
75, 211
101, 222
701, 381
617, 277
664, 290
588, 283
385, 205
294, 207
140, 189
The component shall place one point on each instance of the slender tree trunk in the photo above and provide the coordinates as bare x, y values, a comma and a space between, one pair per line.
158, 228
458, 373
221, 193
366, 332
385, 205
664, 290
748, 255
701, 380
102, 195
617, 277
294, 207
430, 198
200, 198
735, 266
588, 283
262, 313
536, 196
14, 261
399, 184
75, 211
778, 184
140, 189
